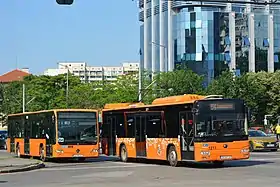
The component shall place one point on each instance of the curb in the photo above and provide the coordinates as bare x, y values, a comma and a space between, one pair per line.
24, 168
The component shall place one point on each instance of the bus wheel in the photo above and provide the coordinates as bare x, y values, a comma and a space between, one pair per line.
42, 154
18, 151
123, 153
172, 156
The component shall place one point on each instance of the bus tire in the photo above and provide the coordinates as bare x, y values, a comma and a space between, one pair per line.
42, 154
123, 153
18, 151
172, 156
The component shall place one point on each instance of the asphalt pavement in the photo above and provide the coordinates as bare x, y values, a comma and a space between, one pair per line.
9, 163
262, 170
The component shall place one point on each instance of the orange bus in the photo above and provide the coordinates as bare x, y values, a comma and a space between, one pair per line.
62, 133
178, 128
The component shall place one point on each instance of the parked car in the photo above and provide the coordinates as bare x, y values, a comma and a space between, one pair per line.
259, 140
3, 139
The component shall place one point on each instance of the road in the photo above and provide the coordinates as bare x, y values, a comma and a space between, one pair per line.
262, 169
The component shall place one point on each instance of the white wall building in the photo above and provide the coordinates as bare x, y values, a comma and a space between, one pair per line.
93, 73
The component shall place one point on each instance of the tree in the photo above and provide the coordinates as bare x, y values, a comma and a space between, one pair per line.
177, 82
223, 85
254, 88
274, 94
49, 92
12, 94
125, 89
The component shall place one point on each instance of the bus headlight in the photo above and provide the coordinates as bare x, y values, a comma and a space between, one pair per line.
205, 153
94, 150
244, 150
59, 151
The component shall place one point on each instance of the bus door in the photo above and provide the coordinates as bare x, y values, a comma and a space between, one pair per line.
140, 134
27, 134
187, 134
136, 128
109, 128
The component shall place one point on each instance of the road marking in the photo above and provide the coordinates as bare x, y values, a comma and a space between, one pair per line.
92, 167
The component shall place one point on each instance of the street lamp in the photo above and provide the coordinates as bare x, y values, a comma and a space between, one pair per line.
165, 53
67, 82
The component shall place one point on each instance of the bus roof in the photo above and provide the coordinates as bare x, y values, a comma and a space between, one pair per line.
172, 100
186, 98
121, 105
55, 110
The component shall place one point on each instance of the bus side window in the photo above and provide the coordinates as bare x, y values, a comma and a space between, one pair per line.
154, 126
130, 127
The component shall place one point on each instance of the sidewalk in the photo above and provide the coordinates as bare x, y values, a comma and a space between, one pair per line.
9, 163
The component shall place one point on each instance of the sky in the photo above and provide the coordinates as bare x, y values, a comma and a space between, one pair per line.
38, 33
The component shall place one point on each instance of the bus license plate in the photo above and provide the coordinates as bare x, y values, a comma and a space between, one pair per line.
270, 145
226, 157
78, 155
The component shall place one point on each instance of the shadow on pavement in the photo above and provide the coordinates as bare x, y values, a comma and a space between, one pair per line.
228, 164
187, 164
89, 160
75, 162
1, 182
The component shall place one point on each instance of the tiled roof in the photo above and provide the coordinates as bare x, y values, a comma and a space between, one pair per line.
15, 75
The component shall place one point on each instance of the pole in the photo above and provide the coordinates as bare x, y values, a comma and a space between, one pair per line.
23, 97
166, 58
140, 82
67, 87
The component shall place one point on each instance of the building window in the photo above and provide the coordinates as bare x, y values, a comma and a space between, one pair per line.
276, 59
227, 57
265, 42
227, 40
246, 41
237, 72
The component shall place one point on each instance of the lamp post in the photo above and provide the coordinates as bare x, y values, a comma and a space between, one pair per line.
165, 53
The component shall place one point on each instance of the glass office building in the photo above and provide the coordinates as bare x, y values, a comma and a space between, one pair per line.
209, 37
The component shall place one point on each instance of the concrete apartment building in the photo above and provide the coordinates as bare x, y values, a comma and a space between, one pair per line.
89, 73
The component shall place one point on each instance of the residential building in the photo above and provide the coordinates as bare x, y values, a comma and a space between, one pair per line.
209, 37
14, 75
89, 73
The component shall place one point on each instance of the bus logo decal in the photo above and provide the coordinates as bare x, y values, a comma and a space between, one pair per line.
159, 150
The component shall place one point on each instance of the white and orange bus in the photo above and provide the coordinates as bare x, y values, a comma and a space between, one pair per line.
65, 133
188, 127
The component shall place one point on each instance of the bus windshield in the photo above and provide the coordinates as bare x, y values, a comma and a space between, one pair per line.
221, 118
77, 127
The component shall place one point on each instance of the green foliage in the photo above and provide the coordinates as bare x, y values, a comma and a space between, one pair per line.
178, 82
12, 96
261, 91
224, 85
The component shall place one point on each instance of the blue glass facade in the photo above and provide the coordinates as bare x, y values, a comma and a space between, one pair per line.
201, 39
202, 42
